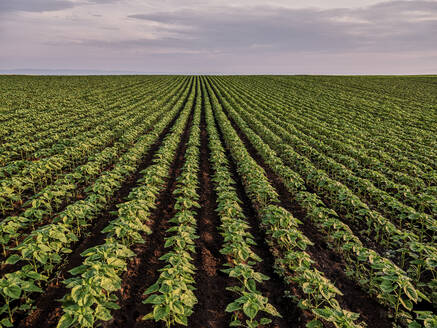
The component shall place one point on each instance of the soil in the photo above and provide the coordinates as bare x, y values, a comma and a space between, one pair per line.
370, 241
211, 282
142, 270
274, 287
354, 298
49, 309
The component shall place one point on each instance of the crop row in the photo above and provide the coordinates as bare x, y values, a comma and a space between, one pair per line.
305, 114
39, 173
287, 241
396, 128
27, 137
363, 166
67, 188
99, 275
314, 205
237, 240
214, 200
43, 250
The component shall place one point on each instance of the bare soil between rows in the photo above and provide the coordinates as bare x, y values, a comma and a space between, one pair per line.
332, 265
142, 271
49, 309
275, 287
211, 282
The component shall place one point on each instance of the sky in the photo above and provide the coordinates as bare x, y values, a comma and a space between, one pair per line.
219, 37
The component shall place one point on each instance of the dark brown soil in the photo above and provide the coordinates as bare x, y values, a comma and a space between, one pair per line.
143, 269
356, 227
49, 309
274, 287
332, 265
370, 241
80, 194
211, 283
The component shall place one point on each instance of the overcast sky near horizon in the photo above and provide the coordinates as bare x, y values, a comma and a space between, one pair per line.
239, 36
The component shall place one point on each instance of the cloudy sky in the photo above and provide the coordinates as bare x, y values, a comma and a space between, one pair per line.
220, 36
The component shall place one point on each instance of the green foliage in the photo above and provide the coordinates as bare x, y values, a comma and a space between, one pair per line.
356, 156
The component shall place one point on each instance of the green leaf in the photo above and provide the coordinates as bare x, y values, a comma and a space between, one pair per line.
234, 306
14, 258
65, 321
12, 291
430, 323
154, 299
235, 323
3, 309
86, 320
6, 322
160, 312
78, 270
406, 303
250, 309
387, 286
314, 324
414, 324
265, 321
271, 310
410, 292
31, 287
182, 320
325, 313
152, 289
76, 293
102, 313
35, 275
108, 284
148, 316
112, 305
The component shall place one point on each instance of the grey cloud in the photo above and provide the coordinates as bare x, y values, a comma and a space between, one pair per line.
44, 5
385, 26
260, 29
394, 8
34, 5
389, 37
102, 1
